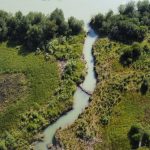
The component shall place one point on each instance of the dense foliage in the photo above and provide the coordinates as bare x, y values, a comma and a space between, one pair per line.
130, 54
35, 29
131, 24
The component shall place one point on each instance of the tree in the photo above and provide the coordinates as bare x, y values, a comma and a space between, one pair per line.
143, 6
127, 26
130, 9
58, 16
17, 27
35, 18
75, 25
3, 29
49, 29
2, 145
121, 9
35, 29
34, 37
127, 31
144, 87
135, 135
130, 54
97, 22
109, 14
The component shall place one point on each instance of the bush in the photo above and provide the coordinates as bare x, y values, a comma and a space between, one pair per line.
135, 135
104, 120
144, 87
130, 55
82, 132
2, 145
75, 26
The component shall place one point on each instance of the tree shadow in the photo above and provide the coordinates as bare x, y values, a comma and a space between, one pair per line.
22, 50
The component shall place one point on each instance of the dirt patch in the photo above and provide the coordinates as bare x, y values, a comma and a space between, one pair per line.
12, 88
62, 65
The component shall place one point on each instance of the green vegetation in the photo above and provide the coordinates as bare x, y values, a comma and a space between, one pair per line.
118, 115
37, 29
131, 24
117, 103
40, 66
138, 137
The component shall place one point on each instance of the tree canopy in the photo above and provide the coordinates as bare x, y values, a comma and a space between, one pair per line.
36, 29
129, 25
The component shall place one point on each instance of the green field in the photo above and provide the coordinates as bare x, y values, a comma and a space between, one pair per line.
117, 103
35, 90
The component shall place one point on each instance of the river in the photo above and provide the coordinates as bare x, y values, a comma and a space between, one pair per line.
81, 99
81, 9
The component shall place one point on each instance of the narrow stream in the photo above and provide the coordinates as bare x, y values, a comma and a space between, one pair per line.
81, 99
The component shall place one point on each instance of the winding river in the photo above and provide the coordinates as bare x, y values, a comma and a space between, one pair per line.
81, 9
81, 99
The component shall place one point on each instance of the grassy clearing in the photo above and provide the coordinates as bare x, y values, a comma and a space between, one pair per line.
37, 93
117, 102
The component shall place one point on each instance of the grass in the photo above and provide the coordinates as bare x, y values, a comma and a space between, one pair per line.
42, 78
117, 101
46, 95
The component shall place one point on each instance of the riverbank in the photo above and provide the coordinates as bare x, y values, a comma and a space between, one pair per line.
81, 98
48, 91
116, 104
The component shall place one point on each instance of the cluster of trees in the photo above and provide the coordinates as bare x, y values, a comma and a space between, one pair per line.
35, 29
131, 24
138, 137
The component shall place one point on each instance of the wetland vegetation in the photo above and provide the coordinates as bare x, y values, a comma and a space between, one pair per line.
39, 71
41, 64
117, 117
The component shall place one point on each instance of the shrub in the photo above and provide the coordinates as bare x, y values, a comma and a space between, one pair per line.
130, 55
10, 141
104, 120
2, 145
144, 87
135, 135
75, 26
